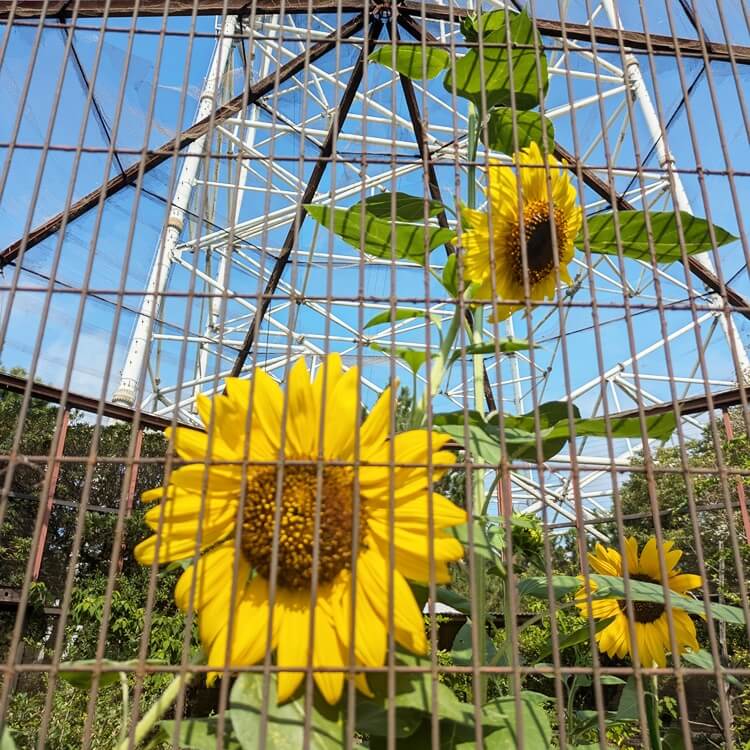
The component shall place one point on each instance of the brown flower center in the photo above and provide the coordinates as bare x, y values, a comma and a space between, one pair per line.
644, 612
539, 252
299, 506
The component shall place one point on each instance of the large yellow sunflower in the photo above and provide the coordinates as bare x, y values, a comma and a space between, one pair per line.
497, 235
359, 511
651, 624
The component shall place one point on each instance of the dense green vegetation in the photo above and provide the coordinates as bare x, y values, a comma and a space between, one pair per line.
72, 716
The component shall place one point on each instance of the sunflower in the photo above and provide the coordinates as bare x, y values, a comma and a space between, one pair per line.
651, 624
292, 479
497, 235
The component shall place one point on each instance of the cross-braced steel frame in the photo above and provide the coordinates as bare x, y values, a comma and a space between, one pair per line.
239, 278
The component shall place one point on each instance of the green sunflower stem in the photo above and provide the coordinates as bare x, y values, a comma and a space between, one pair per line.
157, 710
652, 714
478, 474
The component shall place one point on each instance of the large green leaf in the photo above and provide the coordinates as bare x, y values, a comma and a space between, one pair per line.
482, 437
704, 660
613, 587
529, 128
286, 723
413, 60
199, 734
380, 237
400, 207
388, 316
665, 239
501, 724
488, 70
627, 709
6, 739
504, 346
536, 586
414, 358
82, 679
462, 651
581, 635
480, 542
413, 697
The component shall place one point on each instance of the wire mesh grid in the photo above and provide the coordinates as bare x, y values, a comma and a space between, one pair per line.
367, 368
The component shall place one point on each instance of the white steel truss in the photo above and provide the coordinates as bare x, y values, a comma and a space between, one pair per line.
231, 209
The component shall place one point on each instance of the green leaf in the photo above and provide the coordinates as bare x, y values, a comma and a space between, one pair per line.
627, 708
407, 207
383, 239
199, 734
529, 128
704, 660
612, 587
413, 695
504, 346
481, 543
610, 679
462, 652
490, 71
414, 359
450, 278
582, 635
634, 235
83, 679
503, 732
388, 316
6, 740
536, 586
413, 60
478, 440
453, 599
286, 723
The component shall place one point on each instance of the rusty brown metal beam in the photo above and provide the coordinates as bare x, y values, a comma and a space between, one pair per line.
602, 189
635, 40
706, 275
85, 403
326, 151
173, 147
695, 405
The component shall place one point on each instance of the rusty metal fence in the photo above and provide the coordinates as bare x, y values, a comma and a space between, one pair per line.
374, 374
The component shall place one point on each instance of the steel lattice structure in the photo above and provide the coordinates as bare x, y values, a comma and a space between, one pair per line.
289, 113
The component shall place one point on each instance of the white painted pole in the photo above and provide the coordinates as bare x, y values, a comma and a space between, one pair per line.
638, 87
213, 326
166, 250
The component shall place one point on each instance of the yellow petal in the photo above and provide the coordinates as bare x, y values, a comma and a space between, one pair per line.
377, 581
683, 582
263, 396
249, 630
376, 428
422, 511
340, 417
302, 429
208, 478
328, 651
182, 545
293, 612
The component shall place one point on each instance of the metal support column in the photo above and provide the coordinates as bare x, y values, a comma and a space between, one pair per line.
166, 250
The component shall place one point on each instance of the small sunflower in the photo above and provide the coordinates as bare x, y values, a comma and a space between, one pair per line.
498, 234
651, 624
389, 503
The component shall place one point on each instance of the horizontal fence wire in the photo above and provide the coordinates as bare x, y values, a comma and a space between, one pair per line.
374, 374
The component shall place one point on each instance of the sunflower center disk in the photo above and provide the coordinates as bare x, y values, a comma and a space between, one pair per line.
299, 506
644, 612
539, 252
